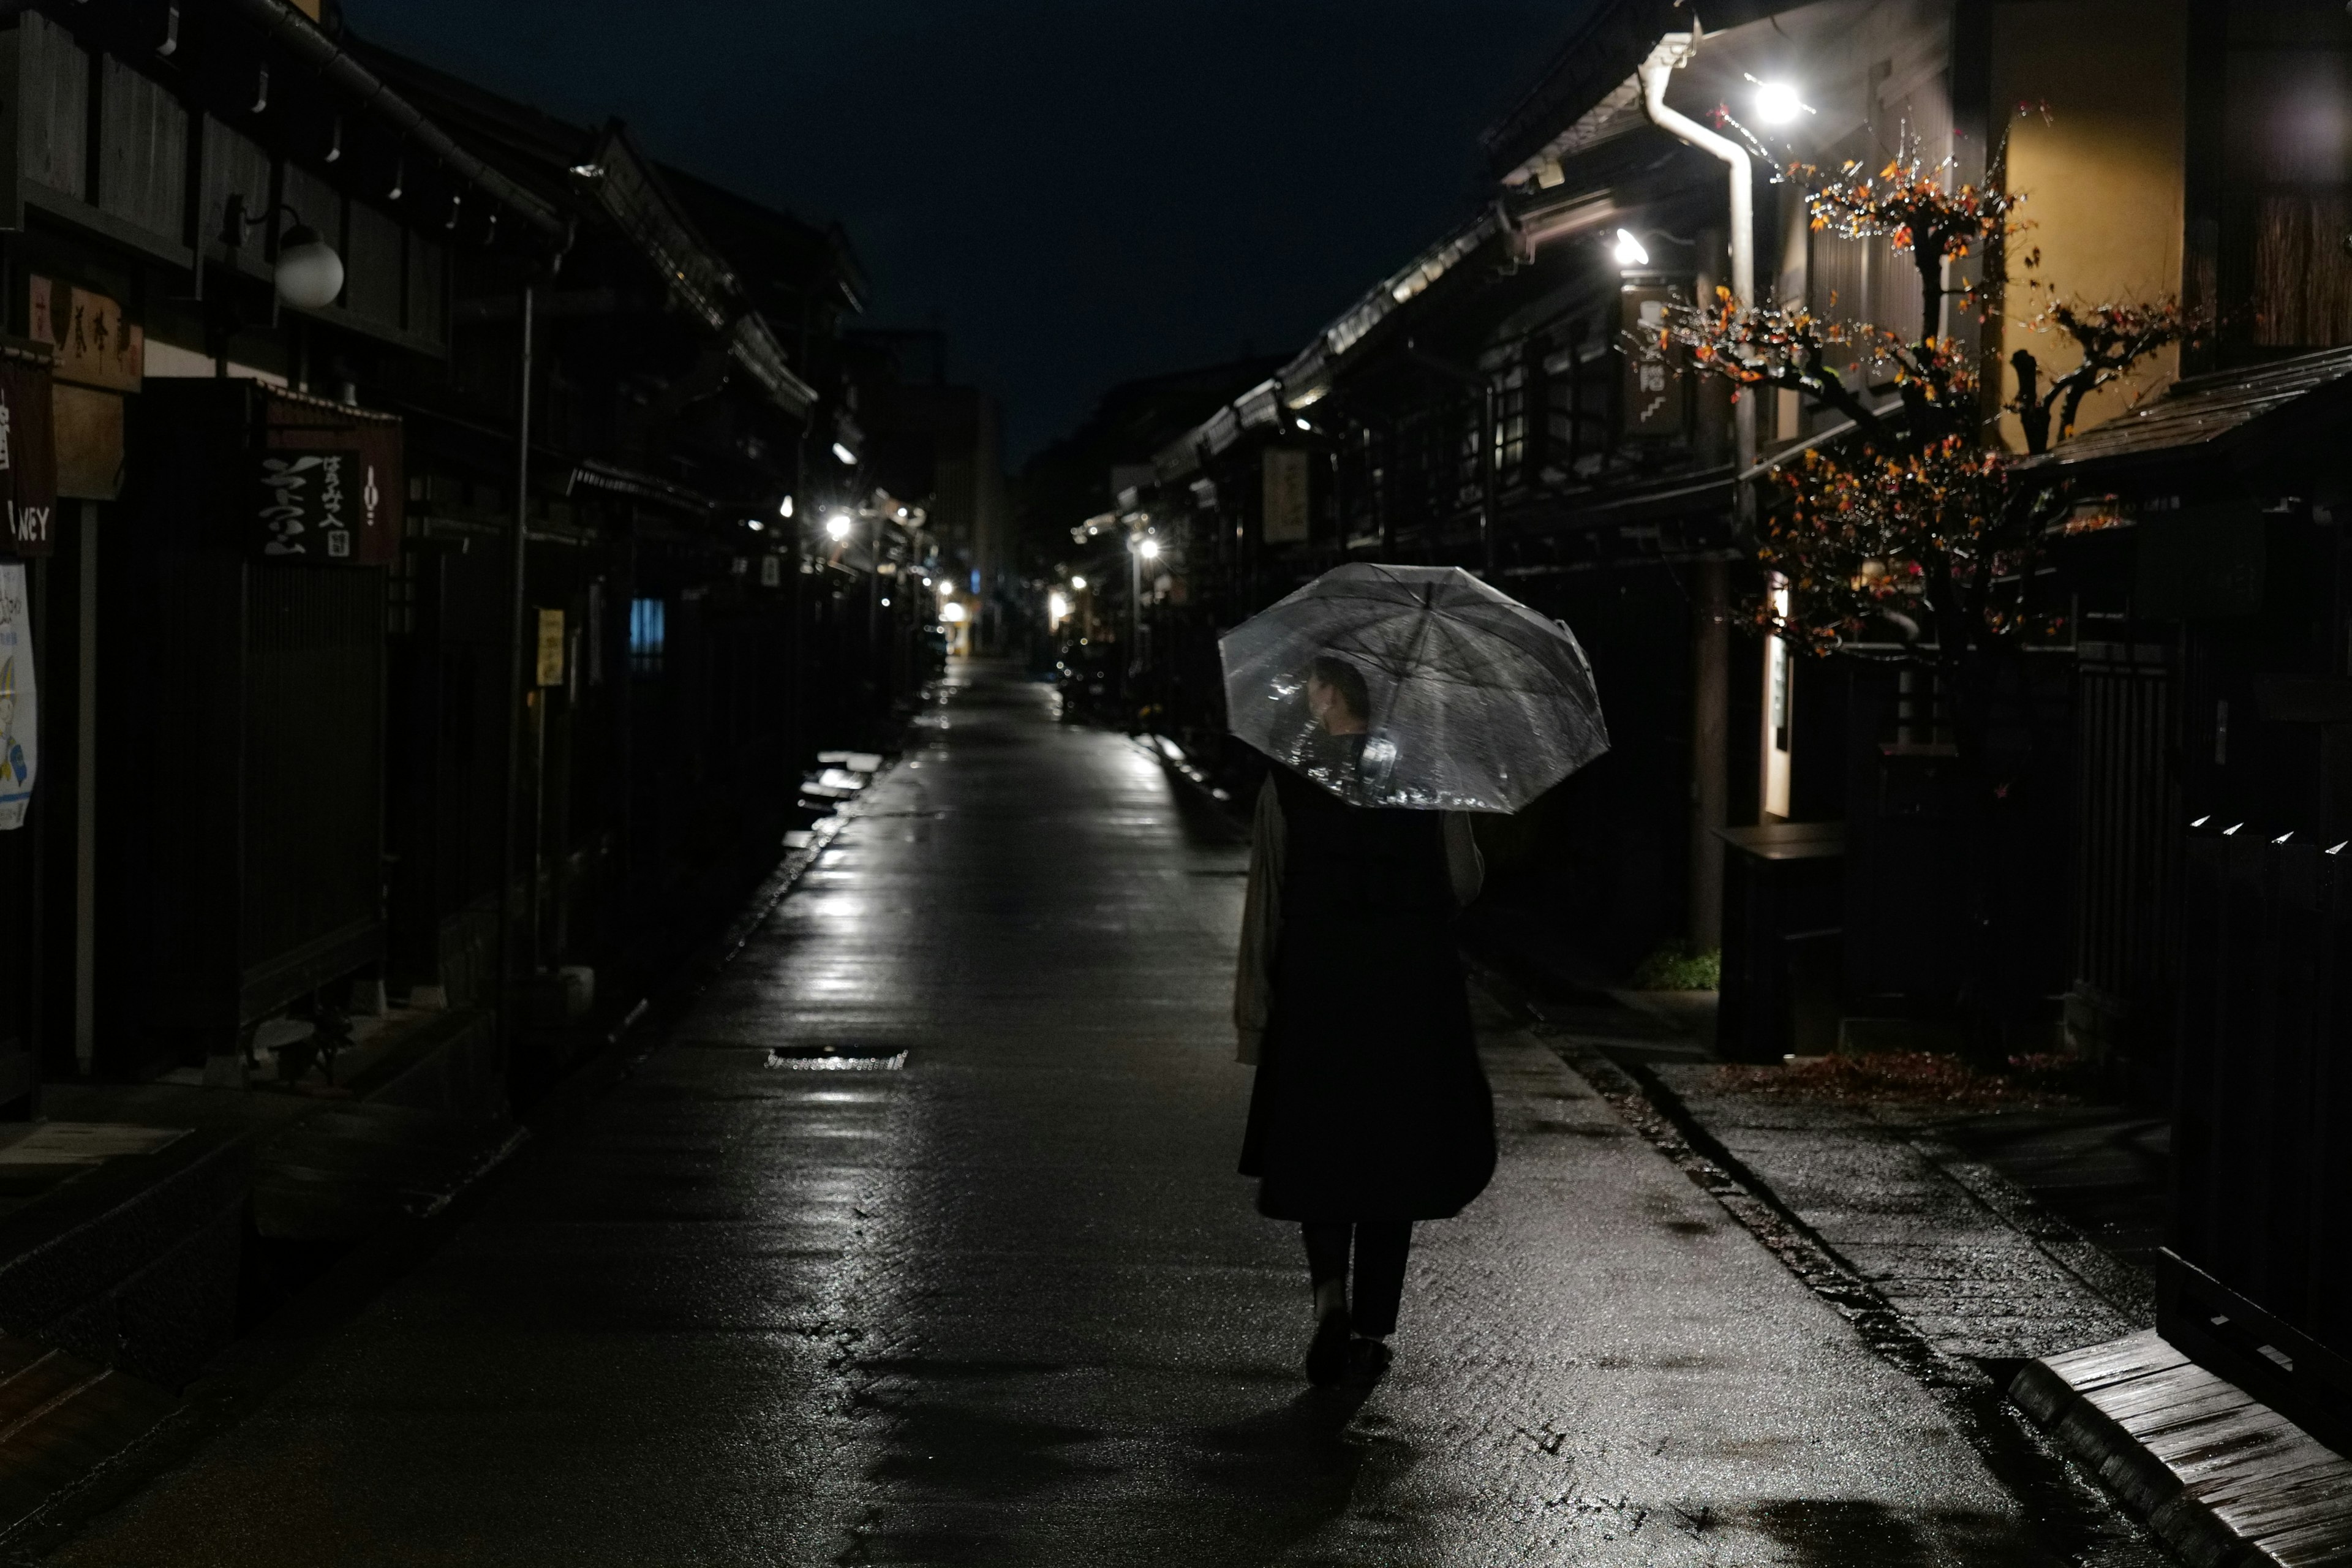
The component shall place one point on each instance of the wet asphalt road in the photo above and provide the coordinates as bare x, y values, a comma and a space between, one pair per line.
1009, 1304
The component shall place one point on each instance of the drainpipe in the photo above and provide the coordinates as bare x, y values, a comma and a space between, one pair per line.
1676, 50
1711, 686
504, 995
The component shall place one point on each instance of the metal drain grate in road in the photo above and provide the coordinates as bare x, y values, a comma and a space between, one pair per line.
834, 1058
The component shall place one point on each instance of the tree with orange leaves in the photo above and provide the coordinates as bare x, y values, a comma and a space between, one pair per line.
1914, 533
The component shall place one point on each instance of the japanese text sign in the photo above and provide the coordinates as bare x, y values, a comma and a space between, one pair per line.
311, 504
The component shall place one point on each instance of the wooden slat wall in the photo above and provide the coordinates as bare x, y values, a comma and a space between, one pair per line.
54, 119
235, 164
2262, 1127
314, 764
371, 268
142, 171
428, 290
2127, 824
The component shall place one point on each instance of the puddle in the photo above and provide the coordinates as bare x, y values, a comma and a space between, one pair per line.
834, 1058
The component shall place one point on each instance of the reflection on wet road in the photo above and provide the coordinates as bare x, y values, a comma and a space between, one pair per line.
1008, 1303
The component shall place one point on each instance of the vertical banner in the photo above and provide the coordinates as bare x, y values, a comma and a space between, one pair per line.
20, 710
29, 462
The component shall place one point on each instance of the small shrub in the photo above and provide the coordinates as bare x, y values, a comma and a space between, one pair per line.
1679, 966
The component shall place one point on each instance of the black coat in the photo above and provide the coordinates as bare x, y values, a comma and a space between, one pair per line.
1369, 1102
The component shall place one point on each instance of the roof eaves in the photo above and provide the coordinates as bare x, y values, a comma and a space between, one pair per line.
629, 190
2203, 414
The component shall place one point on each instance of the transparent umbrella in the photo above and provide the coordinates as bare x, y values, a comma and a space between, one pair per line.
1414, 685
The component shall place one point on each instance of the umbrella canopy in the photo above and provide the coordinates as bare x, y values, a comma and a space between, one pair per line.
1470, 700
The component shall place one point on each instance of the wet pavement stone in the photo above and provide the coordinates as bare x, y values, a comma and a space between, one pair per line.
1009, 1303
1978, 1265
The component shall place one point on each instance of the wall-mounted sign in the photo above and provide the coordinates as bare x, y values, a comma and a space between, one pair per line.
20, 717
1656, 400
28, 462
310, 506
550, 647
1286, 496
87, 423
373, 487
94, 343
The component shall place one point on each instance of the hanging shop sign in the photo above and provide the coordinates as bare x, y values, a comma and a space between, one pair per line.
94, 343
1656, 400
19, 715
331, 486
309, 505
29, 462
550, 647
1286, 496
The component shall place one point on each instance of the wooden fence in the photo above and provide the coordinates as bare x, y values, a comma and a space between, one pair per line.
2258, 1282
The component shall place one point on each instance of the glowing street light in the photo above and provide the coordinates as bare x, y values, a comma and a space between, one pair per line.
1629, 251
1079, 582
1149, 549
784, 507
848, 457
1776, 104
951, 613
838, 526
1057, 608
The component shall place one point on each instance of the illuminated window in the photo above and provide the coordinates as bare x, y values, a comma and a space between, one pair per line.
645, 634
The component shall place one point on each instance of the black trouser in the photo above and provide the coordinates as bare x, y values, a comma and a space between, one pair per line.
1381, 1245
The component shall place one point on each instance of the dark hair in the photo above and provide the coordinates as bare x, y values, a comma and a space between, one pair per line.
1344, 679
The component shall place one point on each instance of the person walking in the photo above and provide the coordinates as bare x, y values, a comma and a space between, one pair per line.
1370, 1110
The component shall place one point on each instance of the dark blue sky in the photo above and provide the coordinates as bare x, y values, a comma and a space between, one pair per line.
1080, 191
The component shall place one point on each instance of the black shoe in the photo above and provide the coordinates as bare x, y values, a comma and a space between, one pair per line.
1327, 1356
1367, 1359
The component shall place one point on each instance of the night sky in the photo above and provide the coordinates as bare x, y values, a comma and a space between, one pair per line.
1078, 193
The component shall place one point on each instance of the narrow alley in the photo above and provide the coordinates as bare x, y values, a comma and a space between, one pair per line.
990, 1291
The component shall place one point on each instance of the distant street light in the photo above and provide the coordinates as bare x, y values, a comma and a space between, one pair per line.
844, 454
1079, 582
1057, 609
1629, 251
838, 526
1149, 549
784, 507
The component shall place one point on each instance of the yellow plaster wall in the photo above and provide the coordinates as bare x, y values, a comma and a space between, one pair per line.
2103, 173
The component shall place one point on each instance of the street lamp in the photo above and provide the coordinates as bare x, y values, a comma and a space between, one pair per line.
1079, 582
309, 275
1777, 102
838, 526
847, 458
1629, 251
1148, 548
